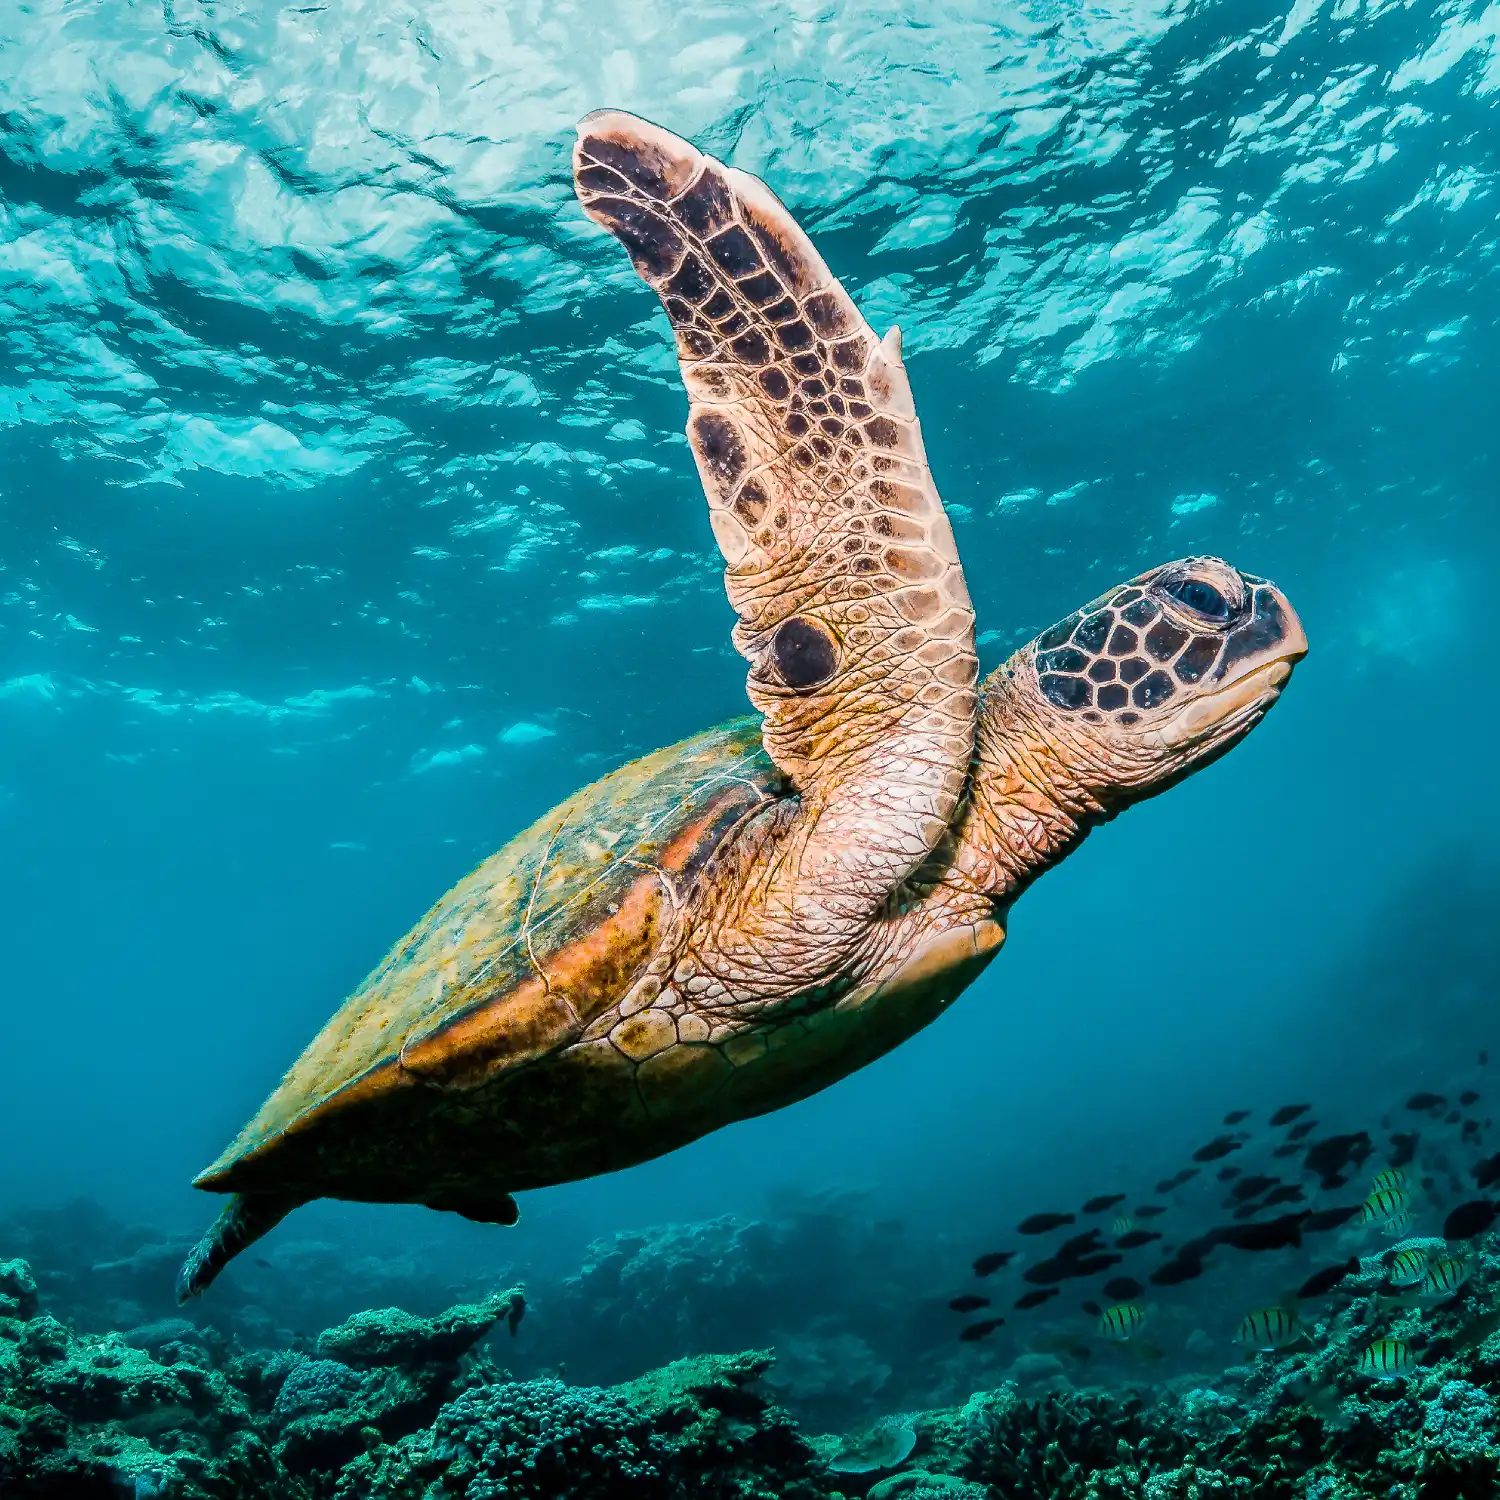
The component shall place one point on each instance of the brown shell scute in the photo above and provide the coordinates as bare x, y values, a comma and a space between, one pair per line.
517, 959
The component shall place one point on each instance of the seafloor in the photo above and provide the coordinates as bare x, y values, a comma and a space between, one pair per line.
105, 1391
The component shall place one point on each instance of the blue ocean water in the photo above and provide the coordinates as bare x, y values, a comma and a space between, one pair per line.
349, 525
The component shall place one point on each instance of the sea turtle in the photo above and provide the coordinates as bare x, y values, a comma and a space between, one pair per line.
739, 920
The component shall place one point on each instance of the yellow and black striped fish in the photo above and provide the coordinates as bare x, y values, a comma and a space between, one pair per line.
1121, 1321
1392, 1180
1383, 1205
1270, 1328
1445, 1275
1406, 1267
1385, 1359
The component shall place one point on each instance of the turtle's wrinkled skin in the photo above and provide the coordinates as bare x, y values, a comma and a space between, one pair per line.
737, 921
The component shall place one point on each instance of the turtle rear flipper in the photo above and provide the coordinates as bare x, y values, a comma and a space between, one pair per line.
242, 1221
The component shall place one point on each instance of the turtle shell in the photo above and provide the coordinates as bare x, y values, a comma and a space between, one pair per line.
394, 1100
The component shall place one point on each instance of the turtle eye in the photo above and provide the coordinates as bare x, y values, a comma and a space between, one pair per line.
1199, 596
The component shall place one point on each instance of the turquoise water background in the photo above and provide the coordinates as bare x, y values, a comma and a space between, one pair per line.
348, 525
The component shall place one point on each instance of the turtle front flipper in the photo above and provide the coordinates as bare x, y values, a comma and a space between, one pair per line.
853, 611
241, 1222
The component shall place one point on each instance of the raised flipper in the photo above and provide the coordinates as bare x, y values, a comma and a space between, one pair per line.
241, 1222
853, 611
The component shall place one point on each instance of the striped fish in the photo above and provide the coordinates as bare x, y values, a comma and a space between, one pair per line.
1270, 1328
1383, 1205
1392, 1180
1122, 1225
1385, 1359
1121, 1321
1445, 1275
1397, 1226
1406, 1267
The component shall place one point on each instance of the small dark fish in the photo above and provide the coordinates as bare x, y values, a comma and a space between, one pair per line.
1220, 1146
1123, 1288
1486, 1173
1136, 1238
1484, 1059
1290, 1192
1452, 1117
1080, 1244
1273, 1234
262, 1262
1328, 1184
1092, 1309
1429, 1184
968, 1303
1036, 1298
1420, 1103
1469, 1219
1228, 1174
1149, 1211
1236, 1115
1403, 1148
1104, 1201
1328, 1157
980, 1330
514, 1314
1065, 1268
1175, 1272
1247, 1211
1468, 1097
1331, 1218
1289, 1112
1297, 1132
1290, 1149
988, 1264
1169, 1184
1470, 1132
1043, 1223
1328, 1278
1251, 1187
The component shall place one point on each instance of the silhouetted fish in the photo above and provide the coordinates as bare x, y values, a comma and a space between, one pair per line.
1304, 1128
1066, 1267
1421, 1103
1136, 1238
1468, 1097
1469, 1219
1274, 1234
1328, 1278
968, 1303
1149, 1211
1250, 1187
1081, 1244
1036, 1298
1123, 1288
1333, 1153
1172, 1183
1403, 1148
1470, 1133
1092, 1309
988, 1264
1487, 1172
1228, 1174
1104, 1201
1043, 1223
1220, 1146
1236, 1115
1331, 1218
1290, 1149
1288, 1192
1289, 1112
1175, 1272
1452, 1117
980, 1330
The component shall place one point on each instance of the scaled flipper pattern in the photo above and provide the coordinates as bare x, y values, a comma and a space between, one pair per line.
841, 564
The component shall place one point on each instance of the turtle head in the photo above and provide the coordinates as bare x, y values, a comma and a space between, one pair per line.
1158, 677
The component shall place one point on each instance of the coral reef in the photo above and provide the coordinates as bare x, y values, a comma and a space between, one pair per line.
391, 1405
